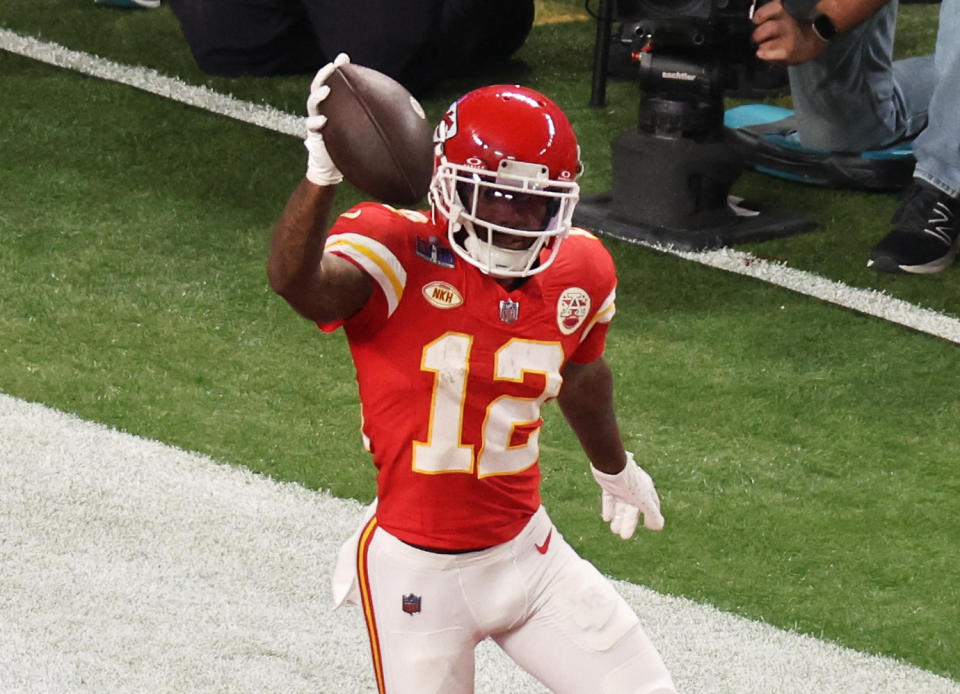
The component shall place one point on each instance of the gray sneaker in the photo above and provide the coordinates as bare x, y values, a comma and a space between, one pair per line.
925, 234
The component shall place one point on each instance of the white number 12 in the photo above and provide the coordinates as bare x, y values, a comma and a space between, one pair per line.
448, 358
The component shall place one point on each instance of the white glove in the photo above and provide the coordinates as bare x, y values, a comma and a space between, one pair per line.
320, 167
625, 496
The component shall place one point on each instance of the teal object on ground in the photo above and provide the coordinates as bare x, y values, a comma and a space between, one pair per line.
130, 4
766, 138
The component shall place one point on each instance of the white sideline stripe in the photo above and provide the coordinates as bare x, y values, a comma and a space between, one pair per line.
868, 302
153, 82
130, 566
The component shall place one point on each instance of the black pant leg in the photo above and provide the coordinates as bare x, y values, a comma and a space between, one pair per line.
231, 38
420, 42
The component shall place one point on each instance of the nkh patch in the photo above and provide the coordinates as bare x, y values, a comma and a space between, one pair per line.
572, 309
442, 295
411, 604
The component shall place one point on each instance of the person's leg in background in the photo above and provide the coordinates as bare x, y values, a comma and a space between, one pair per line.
422, 42
392, 36
937, 148
480, 34
855, 97
233, 38
926, 229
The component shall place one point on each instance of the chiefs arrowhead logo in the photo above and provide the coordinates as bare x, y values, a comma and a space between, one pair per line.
572, 309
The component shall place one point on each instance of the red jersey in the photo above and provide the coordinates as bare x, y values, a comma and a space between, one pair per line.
453, 369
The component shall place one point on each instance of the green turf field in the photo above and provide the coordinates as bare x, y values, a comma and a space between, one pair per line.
804, 453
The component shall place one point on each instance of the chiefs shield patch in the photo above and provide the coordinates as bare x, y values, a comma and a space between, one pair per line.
572, 309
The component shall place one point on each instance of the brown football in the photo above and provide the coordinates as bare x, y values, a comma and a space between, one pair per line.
377, 135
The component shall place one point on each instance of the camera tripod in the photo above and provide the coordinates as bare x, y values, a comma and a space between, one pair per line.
672, 174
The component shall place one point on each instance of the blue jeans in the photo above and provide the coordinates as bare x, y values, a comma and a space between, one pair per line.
855, 97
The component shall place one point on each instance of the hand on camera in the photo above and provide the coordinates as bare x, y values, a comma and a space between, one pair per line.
782, 38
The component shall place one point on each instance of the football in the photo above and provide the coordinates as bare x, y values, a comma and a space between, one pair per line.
378, 135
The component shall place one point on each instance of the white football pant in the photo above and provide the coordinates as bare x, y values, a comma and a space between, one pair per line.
549, 609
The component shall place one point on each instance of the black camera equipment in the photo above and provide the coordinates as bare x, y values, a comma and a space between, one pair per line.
672, 174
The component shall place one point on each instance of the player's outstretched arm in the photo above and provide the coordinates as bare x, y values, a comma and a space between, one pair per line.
320, 287
586, 400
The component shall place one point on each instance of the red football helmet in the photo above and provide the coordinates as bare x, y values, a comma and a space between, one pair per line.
505, 175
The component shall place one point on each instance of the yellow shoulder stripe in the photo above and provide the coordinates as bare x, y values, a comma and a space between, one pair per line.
377, 260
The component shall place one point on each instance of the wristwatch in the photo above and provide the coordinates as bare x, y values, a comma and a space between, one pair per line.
824, 27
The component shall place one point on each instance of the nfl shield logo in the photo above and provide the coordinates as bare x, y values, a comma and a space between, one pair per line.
509, 310
411, 604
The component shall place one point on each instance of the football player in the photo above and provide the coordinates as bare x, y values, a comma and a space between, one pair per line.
462, 321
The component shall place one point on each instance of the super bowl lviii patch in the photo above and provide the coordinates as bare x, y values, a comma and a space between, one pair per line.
433, 251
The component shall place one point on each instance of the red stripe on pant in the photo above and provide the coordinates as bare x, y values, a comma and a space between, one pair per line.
363, 579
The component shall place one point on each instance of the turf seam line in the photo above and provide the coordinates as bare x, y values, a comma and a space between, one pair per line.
868, 302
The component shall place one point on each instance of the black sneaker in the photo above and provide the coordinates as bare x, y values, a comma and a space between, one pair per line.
925, 234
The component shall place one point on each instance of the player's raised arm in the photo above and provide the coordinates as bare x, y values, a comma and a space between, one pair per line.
323, 288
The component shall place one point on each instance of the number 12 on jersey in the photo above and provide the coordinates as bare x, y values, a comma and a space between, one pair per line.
448, 359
